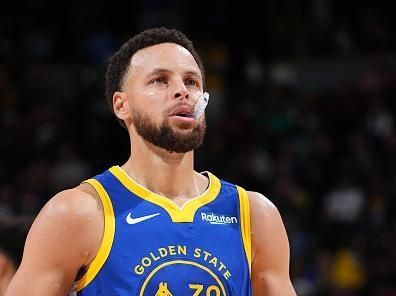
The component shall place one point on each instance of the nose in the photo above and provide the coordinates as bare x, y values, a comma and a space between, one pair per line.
181, 92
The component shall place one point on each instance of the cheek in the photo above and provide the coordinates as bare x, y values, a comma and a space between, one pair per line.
150, 93
150, 102
148, 97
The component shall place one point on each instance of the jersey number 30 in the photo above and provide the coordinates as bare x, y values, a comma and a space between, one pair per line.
199, 289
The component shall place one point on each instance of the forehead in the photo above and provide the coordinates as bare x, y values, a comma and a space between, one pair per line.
166, 55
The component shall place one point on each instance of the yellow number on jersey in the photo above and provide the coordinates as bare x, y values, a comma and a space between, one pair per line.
209, 290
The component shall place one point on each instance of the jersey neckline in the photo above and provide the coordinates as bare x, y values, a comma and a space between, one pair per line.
178, 214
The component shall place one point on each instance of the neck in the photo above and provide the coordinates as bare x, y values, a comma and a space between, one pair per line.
168, 174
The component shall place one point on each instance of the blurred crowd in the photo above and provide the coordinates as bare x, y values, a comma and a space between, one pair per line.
325, 154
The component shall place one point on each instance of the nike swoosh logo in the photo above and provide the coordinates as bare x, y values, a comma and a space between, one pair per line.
131, 220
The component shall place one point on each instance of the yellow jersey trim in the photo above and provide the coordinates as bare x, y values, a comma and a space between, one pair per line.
108, 237
181, 262
178, 214
244, 207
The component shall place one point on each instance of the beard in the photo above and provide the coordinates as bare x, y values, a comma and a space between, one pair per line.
165, 137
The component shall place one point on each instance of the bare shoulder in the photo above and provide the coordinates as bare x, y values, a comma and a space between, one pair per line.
270, 249
267, 228
73, 220
73, 204
261, 208
64, 237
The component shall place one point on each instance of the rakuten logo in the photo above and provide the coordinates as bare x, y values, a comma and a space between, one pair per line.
218, 219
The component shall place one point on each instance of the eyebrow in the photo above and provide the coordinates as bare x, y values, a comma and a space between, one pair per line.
164, 70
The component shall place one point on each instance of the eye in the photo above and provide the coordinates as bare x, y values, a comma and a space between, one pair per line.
191, 82
160, 80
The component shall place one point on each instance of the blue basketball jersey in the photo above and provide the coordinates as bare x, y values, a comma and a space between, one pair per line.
153, 247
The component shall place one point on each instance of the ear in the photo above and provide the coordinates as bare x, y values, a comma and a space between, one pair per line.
121, 105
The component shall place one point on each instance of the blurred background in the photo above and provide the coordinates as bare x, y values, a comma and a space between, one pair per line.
302, 110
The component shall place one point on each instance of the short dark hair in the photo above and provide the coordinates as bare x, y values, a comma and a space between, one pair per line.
119, 63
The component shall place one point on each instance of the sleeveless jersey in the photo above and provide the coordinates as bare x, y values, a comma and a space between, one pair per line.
153, 247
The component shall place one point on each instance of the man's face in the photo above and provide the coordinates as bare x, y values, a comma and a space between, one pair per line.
163, 85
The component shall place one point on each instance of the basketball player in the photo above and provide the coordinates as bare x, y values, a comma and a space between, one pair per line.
154, 226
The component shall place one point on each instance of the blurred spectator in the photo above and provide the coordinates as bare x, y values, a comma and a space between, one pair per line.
347, 274
344, 203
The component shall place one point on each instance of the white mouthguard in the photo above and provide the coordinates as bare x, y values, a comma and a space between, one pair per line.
199, 109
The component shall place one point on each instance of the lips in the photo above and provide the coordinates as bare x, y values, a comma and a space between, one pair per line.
183, 111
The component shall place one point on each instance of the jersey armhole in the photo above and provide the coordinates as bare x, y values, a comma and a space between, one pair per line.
107, 241
244, 208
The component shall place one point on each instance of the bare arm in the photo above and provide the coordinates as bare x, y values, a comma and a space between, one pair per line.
270, 249
64, 237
